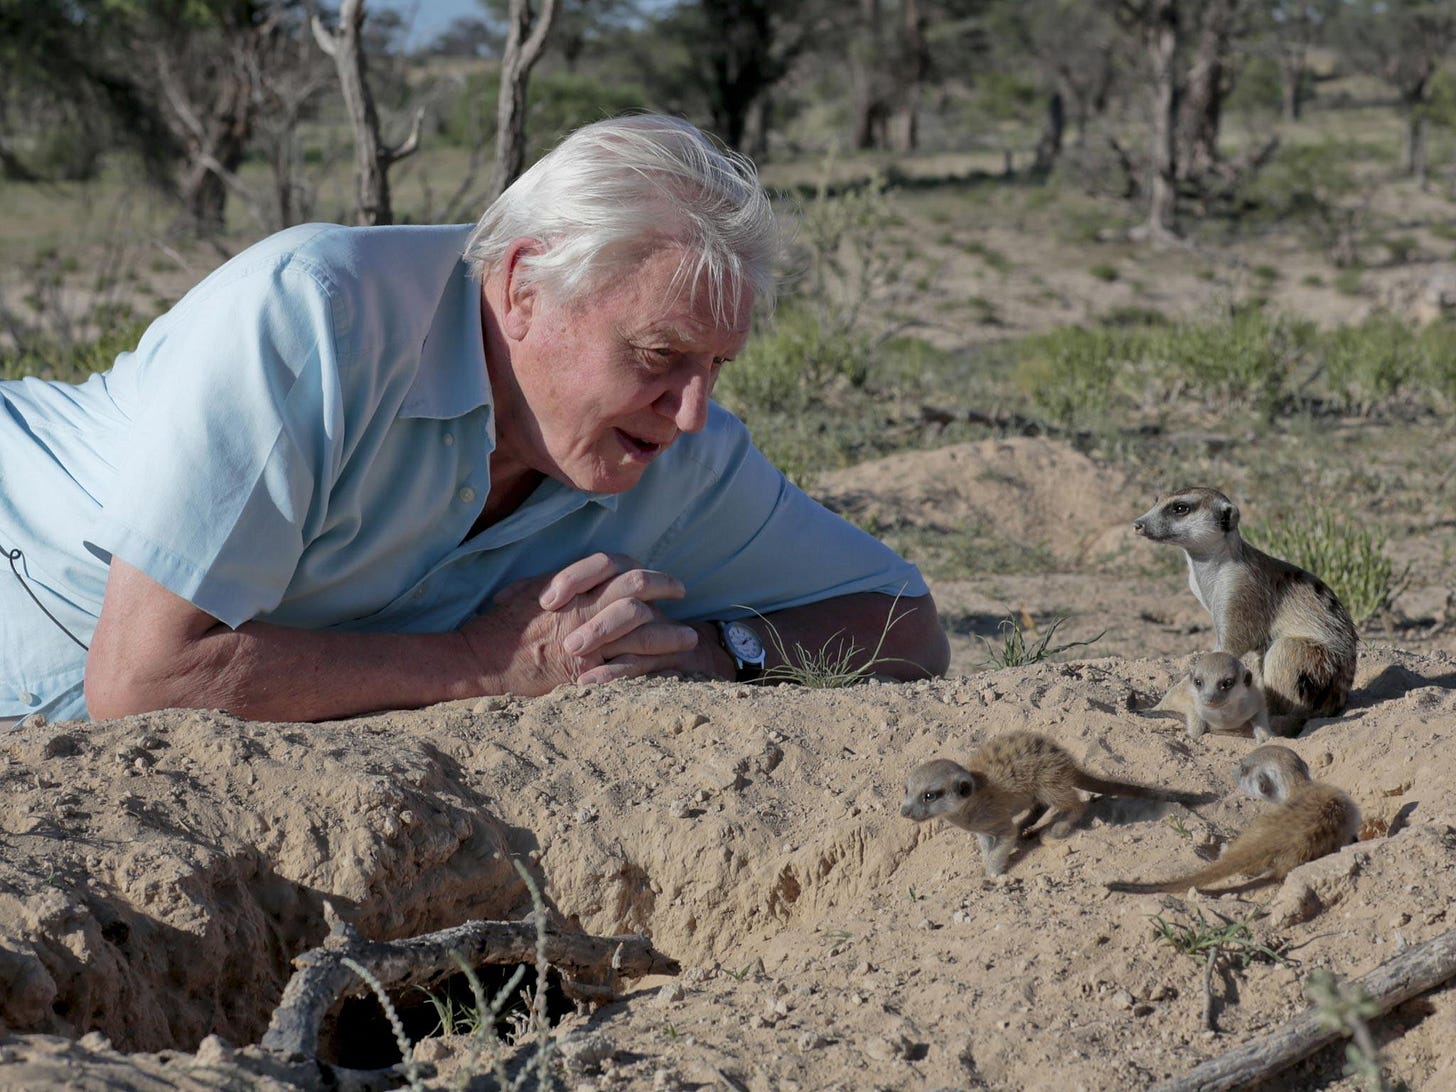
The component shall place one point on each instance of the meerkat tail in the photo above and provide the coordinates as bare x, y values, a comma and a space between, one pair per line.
1096, 784
1237, 859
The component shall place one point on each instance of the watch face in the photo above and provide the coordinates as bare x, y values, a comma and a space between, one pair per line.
743, 642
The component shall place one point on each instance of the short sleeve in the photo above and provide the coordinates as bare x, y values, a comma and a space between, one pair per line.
235, 432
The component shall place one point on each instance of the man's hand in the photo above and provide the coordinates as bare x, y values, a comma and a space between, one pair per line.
594, 621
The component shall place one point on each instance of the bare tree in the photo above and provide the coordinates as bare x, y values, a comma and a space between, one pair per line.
1158, 27
915, 70
372, 157
1208, 82
1402, 42
525, 41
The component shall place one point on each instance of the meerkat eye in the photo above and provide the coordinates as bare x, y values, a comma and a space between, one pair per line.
1197, 681
1178, 509
931, 795
1225, 684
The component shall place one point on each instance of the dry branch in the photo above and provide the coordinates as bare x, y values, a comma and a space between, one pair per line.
322, 977
1414, 971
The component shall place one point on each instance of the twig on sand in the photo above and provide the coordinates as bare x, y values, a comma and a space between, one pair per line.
1414, 971
322, 976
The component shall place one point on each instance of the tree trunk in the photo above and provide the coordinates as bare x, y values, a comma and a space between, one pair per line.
916, 69
1201, 107
867, 56
1161, 38
1415, 144
525, 42
1049, 147
1291, 87
372, 158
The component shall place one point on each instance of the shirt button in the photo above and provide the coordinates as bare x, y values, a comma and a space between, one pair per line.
466, 494
448, 439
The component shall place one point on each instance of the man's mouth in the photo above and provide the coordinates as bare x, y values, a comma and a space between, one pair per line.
640, 447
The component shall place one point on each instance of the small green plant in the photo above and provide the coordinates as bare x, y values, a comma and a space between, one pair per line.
452, 1017
915, 896
1229, 938
837, 663
1180, 828
1345, 1008
1347, 556
739, 975
1227, 943
1348, 281
1266, 273
1016, 652
1368, 364
1105, 271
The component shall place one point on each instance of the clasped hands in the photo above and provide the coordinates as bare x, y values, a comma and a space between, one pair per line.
595, 621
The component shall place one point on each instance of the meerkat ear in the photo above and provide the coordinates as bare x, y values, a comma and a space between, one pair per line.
965, 785
1248, 678
1266, 786
1228, 516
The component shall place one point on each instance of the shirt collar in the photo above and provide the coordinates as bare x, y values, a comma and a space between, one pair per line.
452, 379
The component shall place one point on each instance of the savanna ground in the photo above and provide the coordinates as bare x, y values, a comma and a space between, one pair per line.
988, 372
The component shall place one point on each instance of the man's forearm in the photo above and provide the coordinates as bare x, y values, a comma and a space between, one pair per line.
267, 672
901, 638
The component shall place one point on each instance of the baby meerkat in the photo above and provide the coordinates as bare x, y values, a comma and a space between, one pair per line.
1284, 622
1013, 773
1311, 820
1272, 773
1219, 692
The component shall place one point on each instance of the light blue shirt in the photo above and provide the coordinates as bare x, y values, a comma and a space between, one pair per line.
304, 439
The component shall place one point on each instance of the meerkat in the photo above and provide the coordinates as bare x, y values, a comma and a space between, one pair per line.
1311, 820
1284, 622
1272, 773
1013, 773
1219, 692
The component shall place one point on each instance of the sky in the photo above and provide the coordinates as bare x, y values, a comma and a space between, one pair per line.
428, 18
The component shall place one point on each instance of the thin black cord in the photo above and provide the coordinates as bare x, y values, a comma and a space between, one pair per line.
15, 555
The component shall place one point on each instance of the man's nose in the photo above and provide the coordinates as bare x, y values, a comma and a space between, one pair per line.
687, 403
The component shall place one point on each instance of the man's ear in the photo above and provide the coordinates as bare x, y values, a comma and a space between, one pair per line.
521, 293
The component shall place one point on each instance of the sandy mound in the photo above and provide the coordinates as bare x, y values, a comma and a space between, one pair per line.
159, 872
1031, 490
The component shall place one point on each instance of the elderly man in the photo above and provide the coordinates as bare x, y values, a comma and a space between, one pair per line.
369, 468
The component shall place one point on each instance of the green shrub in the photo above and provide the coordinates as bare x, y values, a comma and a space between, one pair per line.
1071, 373
559, 102
1348, 556
791, 363
48, 359
1105, 271
1243, 359
1367, 364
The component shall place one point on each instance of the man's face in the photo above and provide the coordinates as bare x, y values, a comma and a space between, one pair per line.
603, 385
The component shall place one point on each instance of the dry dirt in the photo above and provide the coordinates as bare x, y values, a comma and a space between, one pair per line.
158, 873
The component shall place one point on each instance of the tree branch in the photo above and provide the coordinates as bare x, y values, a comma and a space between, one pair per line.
1414, 971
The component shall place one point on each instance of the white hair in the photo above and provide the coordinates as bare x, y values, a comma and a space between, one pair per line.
616, 191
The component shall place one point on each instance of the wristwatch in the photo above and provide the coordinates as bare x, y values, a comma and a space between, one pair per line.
745, 647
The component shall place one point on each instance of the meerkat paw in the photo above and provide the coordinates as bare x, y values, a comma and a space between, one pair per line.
1196, 726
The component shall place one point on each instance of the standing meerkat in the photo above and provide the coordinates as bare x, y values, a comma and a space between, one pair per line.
1285, 622
1311, 820
1013, 773
1219, 692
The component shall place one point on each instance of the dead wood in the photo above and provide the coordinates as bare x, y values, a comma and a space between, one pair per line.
322, 978
1414, 971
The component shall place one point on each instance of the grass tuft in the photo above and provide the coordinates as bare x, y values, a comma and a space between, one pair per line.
1350, 558
1016, 652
